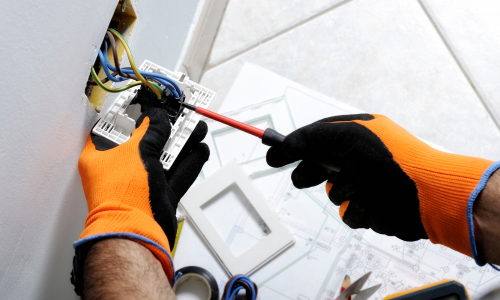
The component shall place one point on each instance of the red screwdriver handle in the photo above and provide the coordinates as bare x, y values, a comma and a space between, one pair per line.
269, 137
231, 122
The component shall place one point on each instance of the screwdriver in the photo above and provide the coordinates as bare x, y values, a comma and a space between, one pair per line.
269, 136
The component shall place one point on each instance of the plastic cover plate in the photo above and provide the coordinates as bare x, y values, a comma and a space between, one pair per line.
117, 126
278, 239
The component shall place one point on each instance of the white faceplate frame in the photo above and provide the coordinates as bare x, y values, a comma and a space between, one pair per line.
278, 240
117, 126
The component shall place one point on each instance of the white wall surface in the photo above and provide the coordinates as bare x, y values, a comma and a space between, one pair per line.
46, 51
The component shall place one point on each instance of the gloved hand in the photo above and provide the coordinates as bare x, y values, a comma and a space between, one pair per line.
389, 181
129, 195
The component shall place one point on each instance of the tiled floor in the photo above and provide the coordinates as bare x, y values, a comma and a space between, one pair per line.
382, 56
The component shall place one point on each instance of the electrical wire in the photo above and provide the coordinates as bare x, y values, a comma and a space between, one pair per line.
166, 78
98, 81
170, 83
104, 80
132, 64
158, 78
105, 64
238, 283
170, 87
126, 73
166, 81
116, 59
163, 77
145, 73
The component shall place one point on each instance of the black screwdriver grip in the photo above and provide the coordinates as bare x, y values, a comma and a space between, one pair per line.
272, 138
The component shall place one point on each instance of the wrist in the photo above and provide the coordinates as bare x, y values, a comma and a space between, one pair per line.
128, 223
120, 268
486, 217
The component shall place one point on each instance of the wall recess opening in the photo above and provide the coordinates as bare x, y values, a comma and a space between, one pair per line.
123, 21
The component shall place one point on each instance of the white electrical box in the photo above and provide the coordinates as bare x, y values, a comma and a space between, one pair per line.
118, 122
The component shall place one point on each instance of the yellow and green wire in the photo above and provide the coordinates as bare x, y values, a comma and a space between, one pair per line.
123, 88
158, 91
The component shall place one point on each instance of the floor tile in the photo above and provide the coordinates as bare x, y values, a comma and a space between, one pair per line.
245, 23
382, 56
472, 29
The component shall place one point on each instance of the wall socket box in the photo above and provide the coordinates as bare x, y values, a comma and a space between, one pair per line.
123, 21
118, 122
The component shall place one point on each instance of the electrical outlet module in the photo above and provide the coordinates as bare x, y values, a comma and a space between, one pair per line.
118, 122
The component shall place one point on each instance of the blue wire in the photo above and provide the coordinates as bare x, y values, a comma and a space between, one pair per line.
105, 63
237, 288
160, 76
235, 292
169, 83
161, 80
230, 287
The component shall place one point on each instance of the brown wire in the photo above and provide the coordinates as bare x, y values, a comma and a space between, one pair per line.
112, 41
248, 290
115, 57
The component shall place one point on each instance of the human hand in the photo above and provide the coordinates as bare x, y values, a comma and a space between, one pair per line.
129, 195
389, 181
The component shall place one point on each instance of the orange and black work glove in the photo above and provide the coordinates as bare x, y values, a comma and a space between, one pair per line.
389, 181
129, 195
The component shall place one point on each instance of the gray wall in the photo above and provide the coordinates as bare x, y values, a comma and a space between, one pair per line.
46, 50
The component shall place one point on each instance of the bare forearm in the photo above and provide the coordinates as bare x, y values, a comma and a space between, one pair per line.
487, 220
124, 269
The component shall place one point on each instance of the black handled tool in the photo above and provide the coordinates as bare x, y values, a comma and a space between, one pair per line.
269, 137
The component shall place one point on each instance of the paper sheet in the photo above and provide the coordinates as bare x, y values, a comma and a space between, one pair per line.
227, 143
325, 249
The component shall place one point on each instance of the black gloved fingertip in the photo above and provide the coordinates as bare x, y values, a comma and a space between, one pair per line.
308, 174
203, 150
276, 158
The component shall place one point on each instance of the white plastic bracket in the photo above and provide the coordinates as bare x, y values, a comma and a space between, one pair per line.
117, 126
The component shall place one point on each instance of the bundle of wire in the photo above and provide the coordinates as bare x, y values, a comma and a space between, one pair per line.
238, 283
126, 73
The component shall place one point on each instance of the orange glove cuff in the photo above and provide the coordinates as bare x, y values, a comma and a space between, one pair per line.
107, 221
444, 182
